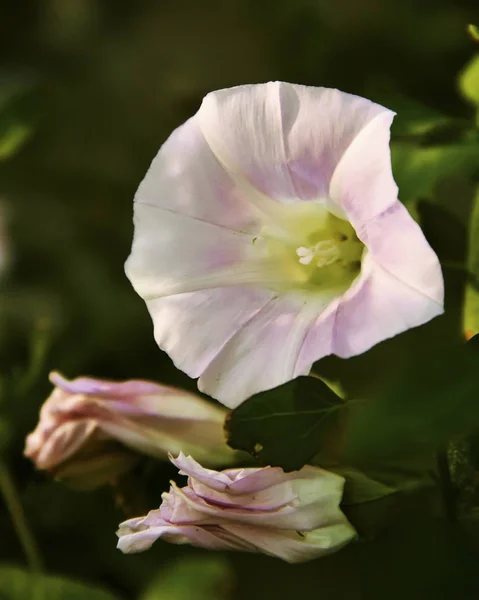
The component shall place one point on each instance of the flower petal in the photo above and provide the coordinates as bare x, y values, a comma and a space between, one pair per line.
308, 504
233, 481
185, 177
264, 353
87, 385
261, 489
243, 127
286, 139
399, 261
396, 242
295, 546
173, 253
378, 306
63, 442
132, 538
133, 398
362, 183
181, 323
319, 340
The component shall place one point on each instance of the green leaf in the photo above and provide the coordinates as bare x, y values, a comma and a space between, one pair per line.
285, 426
361, 487
430, 402
471, 301
18, 584
207, 578
417, 169
473, 31
372, 500
469, 81
414, 118
15, 115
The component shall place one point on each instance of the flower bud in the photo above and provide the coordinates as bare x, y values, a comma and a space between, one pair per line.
88, 426
294, 516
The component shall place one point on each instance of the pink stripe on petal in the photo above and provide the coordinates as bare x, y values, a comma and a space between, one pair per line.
377, 307
363, 183
87, 385
267, 349
227, 310
186, 169
396, 242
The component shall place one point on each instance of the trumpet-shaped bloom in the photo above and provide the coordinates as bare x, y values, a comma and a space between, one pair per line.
269, 234
86, 425
294, 516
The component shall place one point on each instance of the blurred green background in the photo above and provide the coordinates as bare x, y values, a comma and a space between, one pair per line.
89, 89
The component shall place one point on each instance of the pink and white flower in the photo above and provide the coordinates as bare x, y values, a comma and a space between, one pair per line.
82, 419
269, 234
294, 516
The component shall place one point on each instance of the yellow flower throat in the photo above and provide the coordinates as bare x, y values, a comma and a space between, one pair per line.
312, 249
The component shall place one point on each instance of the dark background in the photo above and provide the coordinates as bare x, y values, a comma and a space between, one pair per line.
101, 84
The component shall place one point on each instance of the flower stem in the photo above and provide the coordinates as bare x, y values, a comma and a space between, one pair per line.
14, 506
449, 493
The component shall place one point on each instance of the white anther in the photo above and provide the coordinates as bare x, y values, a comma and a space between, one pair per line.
325, 253
306, 254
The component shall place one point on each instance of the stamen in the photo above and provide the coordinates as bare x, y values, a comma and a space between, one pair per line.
306, 254
326, 252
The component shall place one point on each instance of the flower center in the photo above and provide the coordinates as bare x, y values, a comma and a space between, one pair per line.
312, 249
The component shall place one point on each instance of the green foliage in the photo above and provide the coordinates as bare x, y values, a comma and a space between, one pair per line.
413, 118
429, 403
15, 116
473, 31
471, 302
18, 584
469, 81
206, 578
285, 426
373, 499
417, 169
367, 487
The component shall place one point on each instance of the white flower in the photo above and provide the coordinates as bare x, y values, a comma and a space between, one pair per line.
269, 234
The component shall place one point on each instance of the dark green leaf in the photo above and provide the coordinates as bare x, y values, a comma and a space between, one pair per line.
430, 402
17, 584
373, 500
361, 487
285, 426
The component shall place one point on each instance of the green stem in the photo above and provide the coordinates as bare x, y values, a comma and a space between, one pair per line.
14, 506
449, 492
